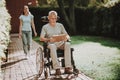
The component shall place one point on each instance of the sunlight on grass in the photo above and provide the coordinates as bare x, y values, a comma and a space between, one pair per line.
97, 57
96, 60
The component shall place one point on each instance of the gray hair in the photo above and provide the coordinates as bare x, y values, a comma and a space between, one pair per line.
52, 12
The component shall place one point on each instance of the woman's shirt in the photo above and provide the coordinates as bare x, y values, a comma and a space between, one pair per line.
26, 22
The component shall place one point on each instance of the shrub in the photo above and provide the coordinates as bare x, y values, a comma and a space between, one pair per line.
4, 28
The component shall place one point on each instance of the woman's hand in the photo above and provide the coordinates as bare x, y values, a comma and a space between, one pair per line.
35, 34
20, 34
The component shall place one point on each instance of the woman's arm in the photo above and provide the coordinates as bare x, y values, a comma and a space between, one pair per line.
20, 29
33, 27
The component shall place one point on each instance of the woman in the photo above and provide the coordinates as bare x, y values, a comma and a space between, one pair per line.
25, 31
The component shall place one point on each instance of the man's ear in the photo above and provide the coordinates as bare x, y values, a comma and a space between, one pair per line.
58, 18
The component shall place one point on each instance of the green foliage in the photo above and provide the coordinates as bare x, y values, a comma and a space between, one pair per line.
47, 3
97, 3
102, 40
100, 21
79, 3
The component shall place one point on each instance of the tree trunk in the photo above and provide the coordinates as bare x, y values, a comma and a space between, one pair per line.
69, 21
72, 15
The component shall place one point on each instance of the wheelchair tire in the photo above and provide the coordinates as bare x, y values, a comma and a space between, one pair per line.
39, 61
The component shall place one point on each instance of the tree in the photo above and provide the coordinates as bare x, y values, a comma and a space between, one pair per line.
82, 3
70, 19
47, 3
42, 2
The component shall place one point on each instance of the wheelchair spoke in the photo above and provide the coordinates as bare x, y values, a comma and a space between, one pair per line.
39, 61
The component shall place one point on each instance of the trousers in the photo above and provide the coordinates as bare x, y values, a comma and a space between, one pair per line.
53, 53
27, 40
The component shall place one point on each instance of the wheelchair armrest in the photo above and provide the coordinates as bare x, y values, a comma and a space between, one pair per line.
44, 44
68, 40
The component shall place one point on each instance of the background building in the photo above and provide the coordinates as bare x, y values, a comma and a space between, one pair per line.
15, 8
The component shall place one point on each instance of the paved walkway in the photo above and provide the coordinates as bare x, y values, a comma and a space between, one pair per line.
19, 68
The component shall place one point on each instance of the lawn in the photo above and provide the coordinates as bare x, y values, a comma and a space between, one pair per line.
97, 57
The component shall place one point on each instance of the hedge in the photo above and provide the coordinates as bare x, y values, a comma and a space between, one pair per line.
100, 21
4, 30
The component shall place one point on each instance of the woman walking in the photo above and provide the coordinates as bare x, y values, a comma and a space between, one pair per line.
25, 31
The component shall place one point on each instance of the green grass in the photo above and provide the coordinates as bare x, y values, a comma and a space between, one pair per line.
97, 57
37, 39
102, 40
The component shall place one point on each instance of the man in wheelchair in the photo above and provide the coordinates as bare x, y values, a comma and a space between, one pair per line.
56, 36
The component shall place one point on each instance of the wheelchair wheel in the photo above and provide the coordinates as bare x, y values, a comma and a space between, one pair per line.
39, 61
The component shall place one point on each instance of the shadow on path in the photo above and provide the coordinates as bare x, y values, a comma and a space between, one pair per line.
8, 64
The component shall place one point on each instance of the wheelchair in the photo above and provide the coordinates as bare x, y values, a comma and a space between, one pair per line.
44, 63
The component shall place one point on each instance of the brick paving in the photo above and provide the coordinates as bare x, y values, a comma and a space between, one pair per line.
19, 68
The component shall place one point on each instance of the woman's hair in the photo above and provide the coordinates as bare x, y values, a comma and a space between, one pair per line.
25, 6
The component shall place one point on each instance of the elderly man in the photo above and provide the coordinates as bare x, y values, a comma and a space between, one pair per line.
48, 31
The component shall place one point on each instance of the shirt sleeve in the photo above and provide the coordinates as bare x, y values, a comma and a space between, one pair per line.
43, 31
63, 31
20, 17
31, 16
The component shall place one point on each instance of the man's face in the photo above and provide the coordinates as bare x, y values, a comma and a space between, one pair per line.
52, 18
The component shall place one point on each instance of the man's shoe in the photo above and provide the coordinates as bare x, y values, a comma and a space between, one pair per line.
68, 70
58, 72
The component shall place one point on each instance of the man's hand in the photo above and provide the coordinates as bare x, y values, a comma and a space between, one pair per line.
65, 39
51, 40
